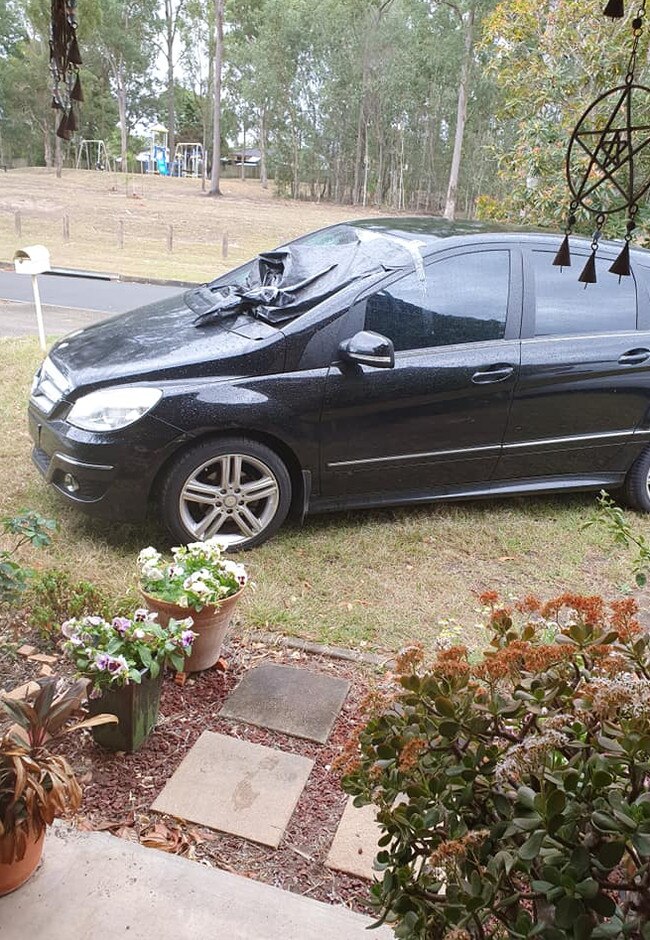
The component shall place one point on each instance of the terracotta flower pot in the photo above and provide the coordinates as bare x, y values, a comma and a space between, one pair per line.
15, 874
211, 623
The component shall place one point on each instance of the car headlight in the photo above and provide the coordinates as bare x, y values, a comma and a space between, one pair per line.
112, 408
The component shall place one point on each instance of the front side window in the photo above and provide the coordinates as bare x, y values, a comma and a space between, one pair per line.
462, 299
564, 306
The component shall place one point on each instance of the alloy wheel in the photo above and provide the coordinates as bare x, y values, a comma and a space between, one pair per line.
233, 496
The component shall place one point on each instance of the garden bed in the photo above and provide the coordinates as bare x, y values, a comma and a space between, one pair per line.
120, 788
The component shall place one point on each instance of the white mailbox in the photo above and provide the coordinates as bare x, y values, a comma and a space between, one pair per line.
35, 259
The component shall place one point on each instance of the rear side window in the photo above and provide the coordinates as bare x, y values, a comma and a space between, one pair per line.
462, 299
564, 306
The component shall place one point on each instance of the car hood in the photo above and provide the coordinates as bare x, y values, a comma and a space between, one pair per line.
160, 341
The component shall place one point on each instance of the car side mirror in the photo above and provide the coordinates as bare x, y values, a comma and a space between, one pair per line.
368, 349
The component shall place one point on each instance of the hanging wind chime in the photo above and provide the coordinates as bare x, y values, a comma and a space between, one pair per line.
65, 60
608, 159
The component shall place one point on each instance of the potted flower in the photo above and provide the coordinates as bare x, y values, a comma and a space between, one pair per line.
124, 661
36, 786
200, 580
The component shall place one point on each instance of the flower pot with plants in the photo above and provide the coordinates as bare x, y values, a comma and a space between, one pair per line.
124, 659
36, 786
199, 581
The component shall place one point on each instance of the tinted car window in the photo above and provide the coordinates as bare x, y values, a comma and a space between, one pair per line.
565, 306
463, 299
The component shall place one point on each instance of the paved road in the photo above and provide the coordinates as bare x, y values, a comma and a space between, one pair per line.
82, 293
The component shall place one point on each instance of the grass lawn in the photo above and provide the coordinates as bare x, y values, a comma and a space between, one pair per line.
376, 578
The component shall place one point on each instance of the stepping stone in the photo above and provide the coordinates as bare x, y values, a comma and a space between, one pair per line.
355, 844
294, 701
234, 786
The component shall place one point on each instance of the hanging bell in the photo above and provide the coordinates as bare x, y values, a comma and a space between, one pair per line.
563, 256
62, 130
72, 121
621, 265
588, 273
74, 56
77, 94
614, 9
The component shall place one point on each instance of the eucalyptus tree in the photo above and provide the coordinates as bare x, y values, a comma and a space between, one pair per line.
125, 33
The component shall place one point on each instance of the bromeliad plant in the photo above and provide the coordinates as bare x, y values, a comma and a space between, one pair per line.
126, 649
198, 576
514, 789
37, 786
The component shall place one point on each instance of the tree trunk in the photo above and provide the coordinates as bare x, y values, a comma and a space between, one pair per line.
461, 116
296, 160
243, 155
58, 156
121, 110
47, 145
264, 182
216, 123
171, 104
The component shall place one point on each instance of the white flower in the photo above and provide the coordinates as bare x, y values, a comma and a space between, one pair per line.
139, 634
149, 556
236, 570
175, 571
183, 602
152, 574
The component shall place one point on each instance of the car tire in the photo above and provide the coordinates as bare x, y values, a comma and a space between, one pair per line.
232, 488
637, 483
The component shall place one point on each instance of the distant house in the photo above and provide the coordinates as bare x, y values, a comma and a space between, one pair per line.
249, 157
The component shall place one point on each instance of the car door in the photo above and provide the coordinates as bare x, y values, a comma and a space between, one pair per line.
584, 381
437, 417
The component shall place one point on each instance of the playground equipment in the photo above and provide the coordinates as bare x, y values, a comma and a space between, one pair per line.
158, 161
95, 153
188, 160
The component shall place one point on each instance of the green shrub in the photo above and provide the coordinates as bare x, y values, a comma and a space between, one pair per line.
27, 526
55, 596
514, 790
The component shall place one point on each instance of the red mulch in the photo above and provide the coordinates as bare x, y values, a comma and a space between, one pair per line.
119, 788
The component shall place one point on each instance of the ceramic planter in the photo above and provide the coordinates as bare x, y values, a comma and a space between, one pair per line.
211, 623
136, 707
15, 874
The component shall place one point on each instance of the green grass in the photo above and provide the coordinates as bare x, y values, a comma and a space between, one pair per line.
377, 578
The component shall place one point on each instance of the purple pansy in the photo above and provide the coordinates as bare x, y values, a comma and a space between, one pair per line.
121, 624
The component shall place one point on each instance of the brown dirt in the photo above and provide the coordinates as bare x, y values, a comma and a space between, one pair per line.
120, 788
99, 205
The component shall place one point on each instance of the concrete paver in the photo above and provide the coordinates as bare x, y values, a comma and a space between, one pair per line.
235, 786
294, 701
355, 844
93, 886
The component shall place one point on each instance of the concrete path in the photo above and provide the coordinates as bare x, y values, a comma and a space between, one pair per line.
83, 293
93, 886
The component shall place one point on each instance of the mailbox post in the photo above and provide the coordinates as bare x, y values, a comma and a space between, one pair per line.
34, 260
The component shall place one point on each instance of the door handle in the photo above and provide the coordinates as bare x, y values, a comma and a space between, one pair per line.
496, 373
634, 356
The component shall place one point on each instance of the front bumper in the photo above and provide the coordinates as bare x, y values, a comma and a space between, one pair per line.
106, 475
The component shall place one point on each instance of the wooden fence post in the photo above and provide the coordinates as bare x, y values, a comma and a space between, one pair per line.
170, 238
224, 245
66, 228
18, 223
120, 233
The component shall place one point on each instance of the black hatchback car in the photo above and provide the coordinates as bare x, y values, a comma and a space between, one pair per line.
372, 363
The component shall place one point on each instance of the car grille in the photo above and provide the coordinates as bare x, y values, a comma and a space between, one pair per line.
48, 388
